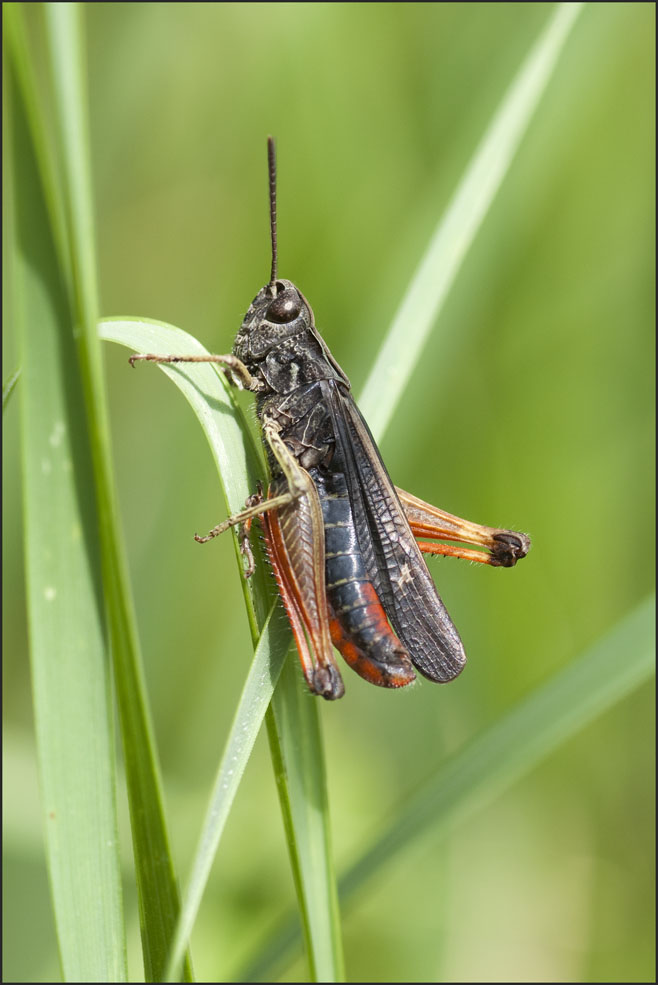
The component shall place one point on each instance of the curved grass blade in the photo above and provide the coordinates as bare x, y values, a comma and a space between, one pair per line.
292, 715
240, 463
458, 227
602, 676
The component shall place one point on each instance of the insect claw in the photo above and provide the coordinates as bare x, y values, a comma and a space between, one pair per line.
211, 534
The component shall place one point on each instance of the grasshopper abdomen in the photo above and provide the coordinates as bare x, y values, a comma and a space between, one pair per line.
359, 627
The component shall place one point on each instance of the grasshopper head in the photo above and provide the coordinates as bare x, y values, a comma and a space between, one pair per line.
278, 312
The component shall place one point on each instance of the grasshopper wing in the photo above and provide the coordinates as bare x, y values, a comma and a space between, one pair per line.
395, 564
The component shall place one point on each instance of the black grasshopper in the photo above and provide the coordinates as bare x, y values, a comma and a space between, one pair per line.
340, 536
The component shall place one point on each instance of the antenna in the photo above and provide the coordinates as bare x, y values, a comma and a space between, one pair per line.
271, 165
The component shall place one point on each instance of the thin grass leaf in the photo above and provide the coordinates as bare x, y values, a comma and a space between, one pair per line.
549, 717
157, 889
8, 388
68, 642
38, 111
254, 701
597, 680
293, 716
458, 227
298, 727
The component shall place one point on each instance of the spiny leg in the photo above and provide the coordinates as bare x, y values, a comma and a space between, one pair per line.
503, 547
234, 368
507, 547
256, 509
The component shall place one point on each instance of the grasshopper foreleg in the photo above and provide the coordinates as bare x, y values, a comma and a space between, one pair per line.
233, 368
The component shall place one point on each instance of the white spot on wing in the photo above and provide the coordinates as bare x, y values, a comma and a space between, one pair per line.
405, 577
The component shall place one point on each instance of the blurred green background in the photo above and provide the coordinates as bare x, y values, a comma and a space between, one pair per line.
531, 408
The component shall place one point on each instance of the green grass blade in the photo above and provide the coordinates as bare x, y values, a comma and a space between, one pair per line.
38, 111
605, 674
602, 676
157, 889
298, 727
299, 770
68, 643
254, 701
457, 229
66, 50
8, 388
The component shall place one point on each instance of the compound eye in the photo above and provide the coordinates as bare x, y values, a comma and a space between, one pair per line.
285, 308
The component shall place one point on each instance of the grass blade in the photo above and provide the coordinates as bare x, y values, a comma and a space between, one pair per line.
254, 701
68, 643
38, 111
605, 674
239, 464
157, 889
299, 769
457, 229
297, 723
